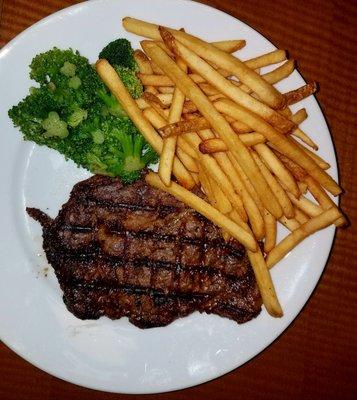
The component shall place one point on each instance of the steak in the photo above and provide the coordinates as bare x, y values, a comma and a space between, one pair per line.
138, 252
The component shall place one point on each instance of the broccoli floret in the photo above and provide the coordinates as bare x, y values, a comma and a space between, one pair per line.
112, 105
69, 76
120, 55
119, 52
74, 82
54, 126
77, 117
130, 80
73, 112
68, 69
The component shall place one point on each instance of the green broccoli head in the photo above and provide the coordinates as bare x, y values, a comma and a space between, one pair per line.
29, 114
73, 112
69, 76
130, 80
119, 52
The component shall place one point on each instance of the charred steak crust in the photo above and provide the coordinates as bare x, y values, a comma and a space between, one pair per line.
136, 251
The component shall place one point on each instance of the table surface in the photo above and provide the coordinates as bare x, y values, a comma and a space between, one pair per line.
316, 357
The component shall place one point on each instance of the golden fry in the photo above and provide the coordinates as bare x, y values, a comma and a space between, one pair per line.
306, 205
284, 144
265, 283
228, 88
273, 57
219, 124
277, 167
208, 51
301, 93
213, 145
181, 127
270, 231
286, 205
169, 144
313, 225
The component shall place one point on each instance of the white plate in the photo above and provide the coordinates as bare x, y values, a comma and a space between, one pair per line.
114, 355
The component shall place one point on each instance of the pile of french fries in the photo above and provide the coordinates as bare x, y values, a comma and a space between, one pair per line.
219, 124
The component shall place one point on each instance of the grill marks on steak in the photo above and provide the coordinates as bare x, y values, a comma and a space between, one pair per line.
136, 251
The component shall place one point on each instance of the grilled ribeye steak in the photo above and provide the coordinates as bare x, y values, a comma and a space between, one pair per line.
136, 251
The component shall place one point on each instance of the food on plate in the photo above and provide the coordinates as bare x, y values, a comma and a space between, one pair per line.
72, 112
136, 251
233, 160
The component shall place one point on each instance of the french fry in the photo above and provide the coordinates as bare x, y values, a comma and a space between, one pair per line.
306, 205
156, 70
305, 138
214, 170
283, 144
195, 178
315, 157
213, 145
155, 80
208, 51
143, 62
230, 46
265, 283
270, 231
180, 127
208, 89
286, 205
227, 87
279, 73
158, 121
240, 127
169, 144
251, 201
151, 89
292, 224
323, 199
298, 172
302, 187
165, 101
205, 209
273, 57
301, 93
144, 67
229, 168
235, 217
166, 89
223, 204
206, 186
186, 160
300, 216
151, 98
250, 139
315, 224
218, 123
277, 167
115, 85
299, 116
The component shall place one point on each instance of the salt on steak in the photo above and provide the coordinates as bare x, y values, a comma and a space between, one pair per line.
136, 251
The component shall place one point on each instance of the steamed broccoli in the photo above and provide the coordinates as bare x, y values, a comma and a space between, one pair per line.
121, 56
119, 52
73, 112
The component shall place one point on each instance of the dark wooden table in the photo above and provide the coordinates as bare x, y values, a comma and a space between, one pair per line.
316, 357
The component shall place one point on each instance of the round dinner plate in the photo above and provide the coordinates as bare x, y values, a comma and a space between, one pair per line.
116, 356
